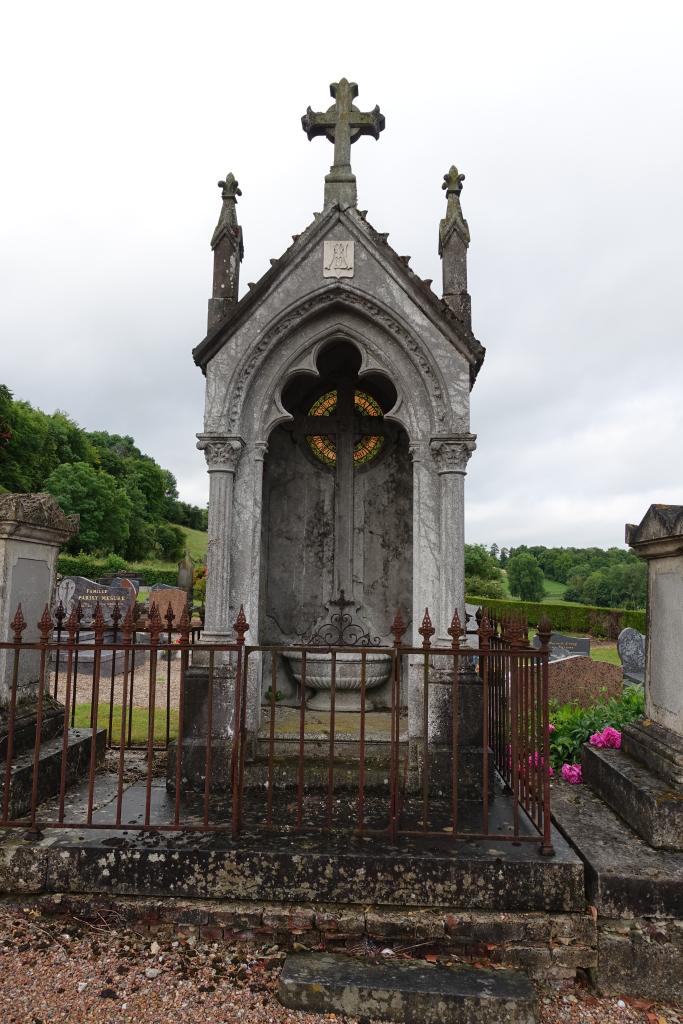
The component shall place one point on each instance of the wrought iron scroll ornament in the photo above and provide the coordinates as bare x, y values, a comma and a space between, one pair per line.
341, 630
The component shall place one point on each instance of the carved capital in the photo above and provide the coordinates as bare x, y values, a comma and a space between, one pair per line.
451, 454
222, 453
417, 450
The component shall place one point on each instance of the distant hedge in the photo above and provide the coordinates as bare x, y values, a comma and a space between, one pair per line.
92, 568
569, 618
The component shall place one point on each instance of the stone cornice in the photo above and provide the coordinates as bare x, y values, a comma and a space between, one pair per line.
660, 532
36, 511
452, 453
222, 451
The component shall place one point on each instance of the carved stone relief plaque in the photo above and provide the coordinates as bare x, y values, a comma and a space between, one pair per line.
338, 259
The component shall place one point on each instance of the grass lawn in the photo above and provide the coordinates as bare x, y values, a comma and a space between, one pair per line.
140, 717
196, 542
554, 591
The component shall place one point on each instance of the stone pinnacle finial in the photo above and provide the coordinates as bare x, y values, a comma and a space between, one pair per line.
228, 253
454, 238
454, 220
229, 191
342, 124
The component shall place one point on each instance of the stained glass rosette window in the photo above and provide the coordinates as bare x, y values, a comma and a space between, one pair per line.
324, 446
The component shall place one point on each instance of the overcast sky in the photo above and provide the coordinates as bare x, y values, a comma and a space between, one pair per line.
119, 119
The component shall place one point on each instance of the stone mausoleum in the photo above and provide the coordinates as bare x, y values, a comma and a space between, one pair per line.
337, 424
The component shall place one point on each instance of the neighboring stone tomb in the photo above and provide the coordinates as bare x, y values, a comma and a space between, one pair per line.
644, 780
32, 529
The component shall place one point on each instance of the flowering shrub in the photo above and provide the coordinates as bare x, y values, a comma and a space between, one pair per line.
609, 737
572, 773
574, 725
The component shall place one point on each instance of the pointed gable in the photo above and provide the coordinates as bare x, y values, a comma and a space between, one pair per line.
379, 272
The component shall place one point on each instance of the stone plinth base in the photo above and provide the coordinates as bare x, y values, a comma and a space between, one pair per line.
196, 730
470, 772
638, 796
194, 764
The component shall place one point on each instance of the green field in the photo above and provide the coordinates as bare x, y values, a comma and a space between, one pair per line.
196, 543
554, 591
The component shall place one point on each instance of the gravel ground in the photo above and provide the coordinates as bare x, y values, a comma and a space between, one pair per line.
140, 688
68, 969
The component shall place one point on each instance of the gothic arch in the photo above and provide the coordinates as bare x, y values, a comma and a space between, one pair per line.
250, 404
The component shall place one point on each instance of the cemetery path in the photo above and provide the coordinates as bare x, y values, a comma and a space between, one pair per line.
100, 969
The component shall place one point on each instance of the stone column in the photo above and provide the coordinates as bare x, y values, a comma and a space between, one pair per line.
222, 456
451, 455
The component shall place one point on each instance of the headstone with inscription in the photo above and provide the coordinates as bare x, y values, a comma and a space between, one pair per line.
563, 646
73, 589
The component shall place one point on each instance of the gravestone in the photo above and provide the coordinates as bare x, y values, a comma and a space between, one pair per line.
186, 575
73, 589
631, 648
126, 581
32, 529
165, 596
562, 646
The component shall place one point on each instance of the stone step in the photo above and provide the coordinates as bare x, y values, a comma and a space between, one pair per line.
649, 804
50, 768
377, 768
412, 992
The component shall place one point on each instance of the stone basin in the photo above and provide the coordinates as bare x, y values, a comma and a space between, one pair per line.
347, 685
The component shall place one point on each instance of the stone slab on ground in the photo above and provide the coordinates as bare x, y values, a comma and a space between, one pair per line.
646, 802
410, 992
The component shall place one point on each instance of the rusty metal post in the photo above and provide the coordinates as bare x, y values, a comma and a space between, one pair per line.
544, 631
18, 627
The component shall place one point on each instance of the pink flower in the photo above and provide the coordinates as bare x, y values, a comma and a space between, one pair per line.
572, 773
612, 737
551, 727
609, 737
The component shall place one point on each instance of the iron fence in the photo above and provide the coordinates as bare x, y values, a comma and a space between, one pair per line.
458, 750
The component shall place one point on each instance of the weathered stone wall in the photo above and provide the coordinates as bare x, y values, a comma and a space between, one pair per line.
549, 947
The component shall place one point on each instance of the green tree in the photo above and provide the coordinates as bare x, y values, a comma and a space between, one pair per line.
525, 577
104, 507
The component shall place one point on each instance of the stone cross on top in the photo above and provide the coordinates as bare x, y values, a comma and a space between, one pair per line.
342, 124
